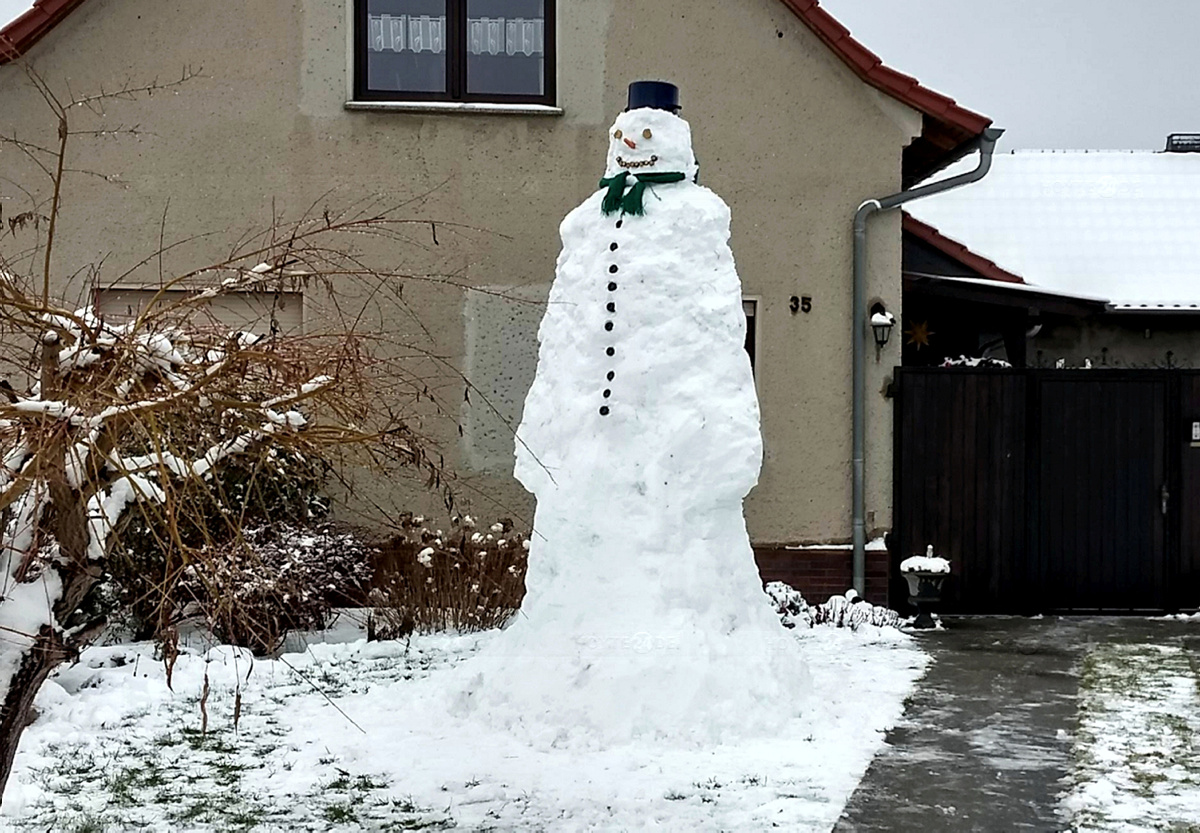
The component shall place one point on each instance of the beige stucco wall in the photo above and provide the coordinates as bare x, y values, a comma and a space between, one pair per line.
785, 133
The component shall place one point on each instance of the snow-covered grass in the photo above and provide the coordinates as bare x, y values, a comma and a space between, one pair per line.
334, 737
1137, 760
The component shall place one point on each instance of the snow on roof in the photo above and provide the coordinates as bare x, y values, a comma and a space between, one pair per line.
1123, 225
1007, 286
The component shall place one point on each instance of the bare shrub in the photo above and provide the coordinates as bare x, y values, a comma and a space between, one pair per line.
273, 486
274, 579
104, 420
428, 580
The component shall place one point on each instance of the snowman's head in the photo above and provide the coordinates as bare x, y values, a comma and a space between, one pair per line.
650, 141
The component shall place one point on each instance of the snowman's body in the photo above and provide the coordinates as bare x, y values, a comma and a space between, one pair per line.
674, 404
644, 611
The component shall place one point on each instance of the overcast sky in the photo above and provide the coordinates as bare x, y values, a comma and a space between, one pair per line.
10, 9
1055, 73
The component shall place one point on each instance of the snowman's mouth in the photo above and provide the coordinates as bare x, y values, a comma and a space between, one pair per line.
641, 163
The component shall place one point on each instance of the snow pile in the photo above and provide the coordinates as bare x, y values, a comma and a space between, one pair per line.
924, 564
114, 748
846, 611
644, 614
927, 563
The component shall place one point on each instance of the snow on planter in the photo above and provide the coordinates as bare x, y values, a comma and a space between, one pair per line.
644, 614
927, 563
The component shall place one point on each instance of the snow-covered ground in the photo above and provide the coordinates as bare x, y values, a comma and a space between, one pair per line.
333, 737
1138, 745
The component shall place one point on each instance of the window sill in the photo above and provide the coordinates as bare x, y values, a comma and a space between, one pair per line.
467, 107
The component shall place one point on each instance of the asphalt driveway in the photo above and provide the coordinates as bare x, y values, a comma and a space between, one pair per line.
987, 739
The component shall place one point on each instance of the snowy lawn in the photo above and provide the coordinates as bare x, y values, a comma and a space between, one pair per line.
114, 749
1138, 745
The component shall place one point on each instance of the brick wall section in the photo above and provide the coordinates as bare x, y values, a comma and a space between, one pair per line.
819, 574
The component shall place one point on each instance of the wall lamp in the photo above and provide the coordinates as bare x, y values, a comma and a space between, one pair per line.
882, 322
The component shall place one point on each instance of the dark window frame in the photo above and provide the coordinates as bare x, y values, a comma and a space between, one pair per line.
750, 310
456, 62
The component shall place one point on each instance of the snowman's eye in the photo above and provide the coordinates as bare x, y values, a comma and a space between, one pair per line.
618, 135
646, 134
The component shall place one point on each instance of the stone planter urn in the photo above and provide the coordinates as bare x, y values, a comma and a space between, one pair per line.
925, 575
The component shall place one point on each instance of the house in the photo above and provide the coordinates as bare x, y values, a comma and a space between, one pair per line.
1105, 247
1070, 482
497, 123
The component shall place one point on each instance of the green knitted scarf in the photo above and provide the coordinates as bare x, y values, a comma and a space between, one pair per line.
631, 203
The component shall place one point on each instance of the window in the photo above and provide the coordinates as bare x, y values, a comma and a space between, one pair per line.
750, 308
499, 51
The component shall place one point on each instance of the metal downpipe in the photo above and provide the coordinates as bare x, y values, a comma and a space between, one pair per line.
986, 144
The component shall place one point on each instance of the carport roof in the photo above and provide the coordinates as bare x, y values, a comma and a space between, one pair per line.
1123, 225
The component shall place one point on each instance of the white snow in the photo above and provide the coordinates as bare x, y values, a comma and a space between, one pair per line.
1121, 225
923, 564
114, 745
1136, 748
874, 545
927, 563
640, 438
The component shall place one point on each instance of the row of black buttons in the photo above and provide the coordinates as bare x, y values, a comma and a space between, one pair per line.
608, 325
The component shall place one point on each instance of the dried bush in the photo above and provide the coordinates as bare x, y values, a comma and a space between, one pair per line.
848, 611
272, 486
427, 580
274, 579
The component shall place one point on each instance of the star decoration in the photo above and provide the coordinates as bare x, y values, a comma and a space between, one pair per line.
919, 334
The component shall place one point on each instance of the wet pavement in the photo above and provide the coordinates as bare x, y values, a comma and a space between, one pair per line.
985, 743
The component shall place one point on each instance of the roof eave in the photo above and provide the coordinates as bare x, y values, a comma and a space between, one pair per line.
947, 127
19, 36
957, 251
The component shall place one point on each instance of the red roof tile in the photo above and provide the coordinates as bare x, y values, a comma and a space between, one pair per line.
868, 66
957, 251
17, 37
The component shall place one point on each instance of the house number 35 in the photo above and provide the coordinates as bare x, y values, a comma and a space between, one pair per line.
801, 303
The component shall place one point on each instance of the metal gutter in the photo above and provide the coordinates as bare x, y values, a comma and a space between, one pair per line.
986, 144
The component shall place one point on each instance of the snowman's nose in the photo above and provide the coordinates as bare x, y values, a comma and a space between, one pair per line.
631, 143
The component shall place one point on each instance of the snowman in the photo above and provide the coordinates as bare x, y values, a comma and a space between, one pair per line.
644, 612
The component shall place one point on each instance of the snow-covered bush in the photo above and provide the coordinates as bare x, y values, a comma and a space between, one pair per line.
847, 611
107, 413
275, 486
471, 578
276, 578
978, 361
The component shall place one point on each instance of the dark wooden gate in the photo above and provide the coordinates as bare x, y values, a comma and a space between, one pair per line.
1051, 489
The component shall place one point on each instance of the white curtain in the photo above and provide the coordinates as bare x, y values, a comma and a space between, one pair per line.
485, 36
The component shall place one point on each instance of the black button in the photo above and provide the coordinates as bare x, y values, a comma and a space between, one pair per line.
612, 287
619, 223
611, 307
610, 351
612, 268
612, 247
607, 394
608, 326
611, 375
603, 410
